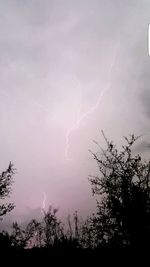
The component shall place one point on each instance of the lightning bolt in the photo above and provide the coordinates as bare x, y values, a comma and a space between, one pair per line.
43, 203
93, 108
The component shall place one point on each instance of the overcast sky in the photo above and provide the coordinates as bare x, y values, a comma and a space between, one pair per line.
67, 70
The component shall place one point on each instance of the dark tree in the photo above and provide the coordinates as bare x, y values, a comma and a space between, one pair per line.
123, 187
6, 180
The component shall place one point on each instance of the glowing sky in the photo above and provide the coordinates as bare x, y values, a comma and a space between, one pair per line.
60, 60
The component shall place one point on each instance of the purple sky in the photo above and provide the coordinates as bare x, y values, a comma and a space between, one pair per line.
67, 70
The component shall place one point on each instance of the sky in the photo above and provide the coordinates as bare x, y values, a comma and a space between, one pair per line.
69, 69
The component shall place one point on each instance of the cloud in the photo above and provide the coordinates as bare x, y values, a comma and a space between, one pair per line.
54, 61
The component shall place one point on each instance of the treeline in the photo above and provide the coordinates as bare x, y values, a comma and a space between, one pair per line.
50, 232
122, 219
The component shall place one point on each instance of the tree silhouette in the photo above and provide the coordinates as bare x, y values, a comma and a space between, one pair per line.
123, 209
6, 180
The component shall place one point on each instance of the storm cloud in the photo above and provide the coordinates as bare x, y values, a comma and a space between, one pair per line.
55, 59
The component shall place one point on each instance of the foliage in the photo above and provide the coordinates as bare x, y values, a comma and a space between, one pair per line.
123, 209
6, 180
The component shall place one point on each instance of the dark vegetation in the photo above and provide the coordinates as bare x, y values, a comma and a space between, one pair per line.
122, 220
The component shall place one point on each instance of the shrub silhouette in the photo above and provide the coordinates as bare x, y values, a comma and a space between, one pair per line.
23, 238
123, 209
48, 234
